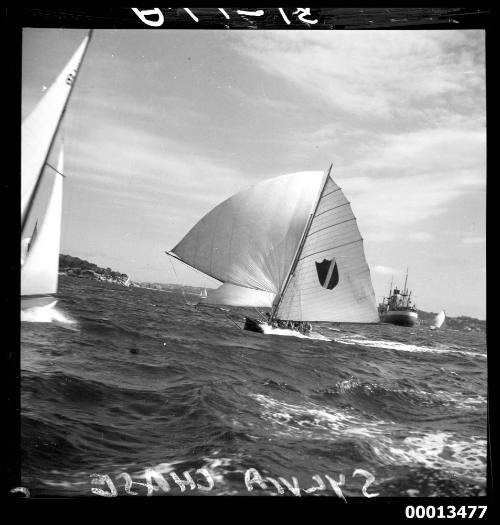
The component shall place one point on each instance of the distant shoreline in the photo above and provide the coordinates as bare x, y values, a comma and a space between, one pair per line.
76, 267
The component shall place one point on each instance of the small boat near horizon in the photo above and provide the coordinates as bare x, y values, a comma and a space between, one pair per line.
438, 320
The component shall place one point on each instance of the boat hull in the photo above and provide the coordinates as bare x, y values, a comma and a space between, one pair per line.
37, 301
253, 325
400, 317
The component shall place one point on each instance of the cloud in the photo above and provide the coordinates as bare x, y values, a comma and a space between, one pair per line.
373, 73
403, 179
474, 240
420, 236
386, 270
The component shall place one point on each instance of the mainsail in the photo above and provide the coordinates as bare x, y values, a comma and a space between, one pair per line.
293, 237
330, 279
40, 244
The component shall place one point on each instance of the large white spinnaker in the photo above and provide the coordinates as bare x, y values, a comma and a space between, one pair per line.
330, 278
250, 239
39, 272
40, 127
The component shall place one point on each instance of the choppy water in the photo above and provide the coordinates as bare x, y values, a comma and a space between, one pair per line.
141, 380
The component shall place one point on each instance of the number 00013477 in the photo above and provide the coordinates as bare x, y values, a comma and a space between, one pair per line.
445, 511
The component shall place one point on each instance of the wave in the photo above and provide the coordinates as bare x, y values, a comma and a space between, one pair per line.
387, 442
404, 347
405, 403
269, 330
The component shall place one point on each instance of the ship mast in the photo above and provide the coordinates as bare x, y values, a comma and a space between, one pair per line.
405, 291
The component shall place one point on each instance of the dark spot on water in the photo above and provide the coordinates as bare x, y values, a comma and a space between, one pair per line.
447, 453
134, 351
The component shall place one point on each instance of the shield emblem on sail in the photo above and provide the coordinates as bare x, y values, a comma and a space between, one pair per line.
328, 273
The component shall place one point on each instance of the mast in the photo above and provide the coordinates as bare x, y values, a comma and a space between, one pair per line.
301, 243
406, 280
29, 206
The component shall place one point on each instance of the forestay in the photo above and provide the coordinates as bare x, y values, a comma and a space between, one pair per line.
331, 281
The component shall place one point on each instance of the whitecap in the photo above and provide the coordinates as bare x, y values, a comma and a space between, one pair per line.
446, 451
396, 345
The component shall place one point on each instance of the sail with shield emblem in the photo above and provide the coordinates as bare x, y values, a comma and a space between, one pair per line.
294, 238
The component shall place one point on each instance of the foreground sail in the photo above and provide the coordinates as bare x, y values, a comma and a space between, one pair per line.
294, 237
41, 260
41, 214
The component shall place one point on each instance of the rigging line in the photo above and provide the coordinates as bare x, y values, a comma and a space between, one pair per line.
175, 256
234, 322
177, 279
52, 167
225, 315
259, 312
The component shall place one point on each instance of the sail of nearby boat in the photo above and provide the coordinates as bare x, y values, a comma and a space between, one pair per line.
27, 243
39, 129
439, 319
267, 239
39, 272
40, 251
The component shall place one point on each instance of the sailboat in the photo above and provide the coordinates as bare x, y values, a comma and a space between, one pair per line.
41, 176
203, 293
438, 320
291, 243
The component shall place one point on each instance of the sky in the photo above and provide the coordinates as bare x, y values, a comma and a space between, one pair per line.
163, 125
